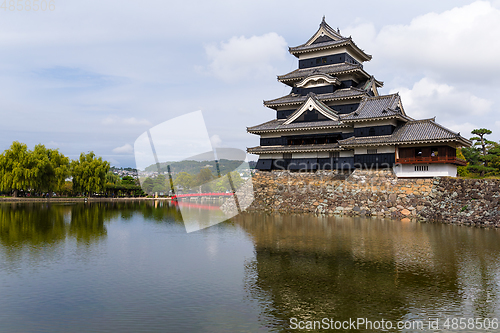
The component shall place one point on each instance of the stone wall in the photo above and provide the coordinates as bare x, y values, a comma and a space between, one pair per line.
380, 193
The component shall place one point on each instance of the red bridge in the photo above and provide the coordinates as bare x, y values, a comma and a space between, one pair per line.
195, 195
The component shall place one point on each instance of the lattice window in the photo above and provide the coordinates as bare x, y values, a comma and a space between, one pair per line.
421, 168
334, 154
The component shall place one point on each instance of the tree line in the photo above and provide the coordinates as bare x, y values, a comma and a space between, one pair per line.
483, 157
44, 170
204, 181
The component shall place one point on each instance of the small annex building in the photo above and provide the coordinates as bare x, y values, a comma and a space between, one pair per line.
334, 118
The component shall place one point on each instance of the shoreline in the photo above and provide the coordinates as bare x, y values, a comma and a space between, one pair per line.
59, 199
380, 193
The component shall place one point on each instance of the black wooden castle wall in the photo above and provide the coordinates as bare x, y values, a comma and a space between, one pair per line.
374, 131
327, 60
288, 139
365, 161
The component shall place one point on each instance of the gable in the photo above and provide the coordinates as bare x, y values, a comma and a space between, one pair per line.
322, 39
317, 80
312, 110
324, 34
310, 115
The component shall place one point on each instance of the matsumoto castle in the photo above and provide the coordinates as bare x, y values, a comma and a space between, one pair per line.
334, 118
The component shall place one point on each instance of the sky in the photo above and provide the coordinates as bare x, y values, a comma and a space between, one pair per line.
95, 75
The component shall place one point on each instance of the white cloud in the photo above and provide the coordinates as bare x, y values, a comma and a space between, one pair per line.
241, 57
125, 149
457, 43
463, 128
215, 140
134, 121
428, 98
115, 120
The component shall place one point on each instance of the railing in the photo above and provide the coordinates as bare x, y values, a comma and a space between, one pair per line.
431, 159
194, 195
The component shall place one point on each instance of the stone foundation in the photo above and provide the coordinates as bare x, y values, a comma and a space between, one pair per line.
379, 193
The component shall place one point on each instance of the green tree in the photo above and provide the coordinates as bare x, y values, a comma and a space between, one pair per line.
160, 184
493, 158
481, 141
462, 170
67, 189
184, 179
204, 180
477, 155
49, 168
223, 184
89, 174
15, 173
147, 185
128, 180
204, 176
111, 178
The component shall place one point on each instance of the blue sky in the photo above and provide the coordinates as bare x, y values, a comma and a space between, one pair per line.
95, 75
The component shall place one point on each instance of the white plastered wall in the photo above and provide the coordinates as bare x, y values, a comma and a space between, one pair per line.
270, 135
380, 150
348, 153
434, 170
270, 156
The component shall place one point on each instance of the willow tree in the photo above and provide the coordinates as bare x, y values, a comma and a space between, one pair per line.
89, 174
15, 171
50, 169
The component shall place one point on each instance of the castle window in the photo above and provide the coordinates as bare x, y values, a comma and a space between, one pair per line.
421, 168
334, 154
371, 151
287, 156
371, 132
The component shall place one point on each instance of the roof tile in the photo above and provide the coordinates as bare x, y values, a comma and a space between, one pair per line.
327, 69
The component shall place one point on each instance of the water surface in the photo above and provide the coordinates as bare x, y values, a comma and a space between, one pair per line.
131, 267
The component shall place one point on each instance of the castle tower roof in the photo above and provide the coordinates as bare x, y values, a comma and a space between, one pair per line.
327, 38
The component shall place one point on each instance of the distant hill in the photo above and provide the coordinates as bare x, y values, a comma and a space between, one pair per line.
194, 167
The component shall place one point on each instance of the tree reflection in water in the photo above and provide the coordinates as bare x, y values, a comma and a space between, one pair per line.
46, 225
319, 267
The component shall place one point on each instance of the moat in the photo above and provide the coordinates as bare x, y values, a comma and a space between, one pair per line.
131, 266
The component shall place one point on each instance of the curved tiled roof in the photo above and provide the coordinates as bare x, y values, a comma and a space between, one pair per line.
294, 149
305, 47
329, 44
350, 92
279, 125
302, 73
376, 107
335, 40
414, 131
